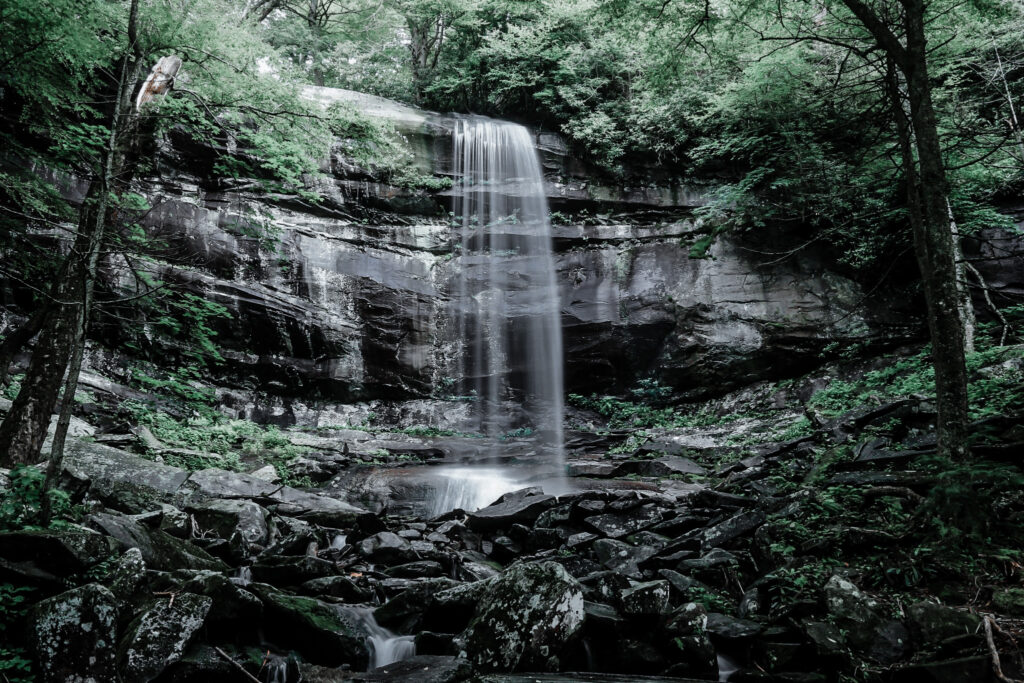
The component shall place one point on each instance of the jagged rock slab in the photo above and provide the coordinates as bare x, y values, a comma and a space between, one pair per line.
74, 635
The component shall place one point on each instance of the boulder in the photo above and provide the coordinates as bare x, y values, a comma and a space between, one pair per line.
726, 628
118, 477
525, 619
267, 473
732, 528
413, 570
645, 599
159, 549
387, 548
233, 606
321, 632
930, 622
74, 635
291, 570
693, 651
404, 612
511, 510
217, 483
604, 586
853, 611
621, 557
451, 609
128, 576
48, 554
617, 525
343, 587
664, 466
242, 523
160, 635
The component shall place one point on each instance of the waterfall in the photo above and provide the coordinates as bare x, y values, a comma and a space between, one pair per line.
385, 647
505, 299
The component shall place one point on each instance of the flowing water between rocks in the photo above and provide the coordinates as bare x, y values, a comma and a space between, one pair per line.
385, 647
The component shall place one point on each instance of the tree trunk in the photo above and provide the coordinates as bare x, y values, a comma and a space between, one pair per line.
24, 429
935, 249
60, 341
963, 285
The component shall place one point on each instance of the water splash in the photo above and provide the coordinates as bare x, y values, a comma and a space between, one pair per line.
277, 670
244, 575
505, 296
471, 488
385, 647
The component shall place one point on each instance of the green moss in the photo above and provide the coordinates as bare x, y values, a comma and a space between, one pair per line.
315, 613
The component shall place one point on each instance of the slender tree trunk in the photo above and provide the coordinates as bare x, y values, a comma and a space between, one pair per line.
928, 193
60, 341
24, 429
936, 251
67, 402
963, 285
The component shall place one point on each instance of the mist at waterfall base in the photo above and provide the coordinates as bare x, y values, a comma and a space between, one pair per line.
505, 306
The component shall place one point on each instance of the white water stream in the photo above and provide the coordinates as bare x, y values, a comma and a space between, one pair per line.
385, 647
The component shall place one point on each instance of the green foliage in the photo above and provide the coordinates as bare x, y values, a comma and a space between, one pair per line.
10, 392
21, 504
375, 145
212, 441
520, 433
995, 386
622, 414
711, 601
15, 664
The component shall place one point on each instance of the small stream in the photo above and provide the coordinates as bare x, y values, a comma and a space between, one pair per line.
385, 647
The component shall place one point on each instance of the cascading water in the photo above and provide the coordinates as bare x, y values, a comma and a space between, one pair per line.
385, 647
506, 302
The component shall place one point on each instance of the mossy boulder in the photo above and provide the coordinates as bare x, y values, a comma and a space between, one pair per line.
46, 555
322, 632
242, 523
930, 622
74, 635
526, 619
159, 636
128, 576
159, 549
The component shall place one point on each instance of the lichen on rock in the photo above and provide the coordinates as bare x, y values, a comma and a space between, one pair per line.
526, 619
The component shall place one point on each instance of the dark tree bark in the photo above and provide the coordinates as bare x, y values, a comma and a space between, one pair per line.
928, 211
60, 342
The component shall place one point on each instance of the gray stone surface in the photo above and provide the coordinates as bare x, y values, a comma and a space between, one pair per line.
522, 623
74, 636
159, 636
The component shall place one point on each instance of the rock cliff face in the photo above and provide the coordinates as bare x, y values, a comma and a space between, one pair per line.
347, 300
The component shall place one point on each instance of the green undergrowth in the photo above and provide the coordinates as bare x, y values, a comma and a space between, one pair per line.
996, 383
421, 431
375, 145
229, 444
21, 503
626, 414
15, 663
